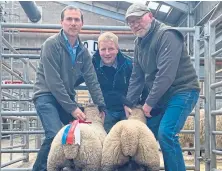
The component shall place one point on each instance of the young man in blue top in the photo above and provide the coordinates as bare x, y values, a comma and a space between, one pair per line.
113, 69
63, 60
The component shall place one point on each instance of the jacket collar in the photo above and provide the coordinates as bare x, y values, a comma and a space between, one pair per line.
63, 41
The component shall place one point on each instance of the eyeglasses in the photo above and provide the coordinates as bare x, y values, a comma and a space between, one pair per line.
135, 21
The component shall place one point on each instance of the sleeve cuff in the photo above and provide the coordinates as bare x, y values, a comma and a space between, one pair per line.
151, 103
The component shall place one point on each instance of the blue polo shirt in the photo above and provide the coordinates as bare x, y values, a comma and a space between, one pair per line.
72, 50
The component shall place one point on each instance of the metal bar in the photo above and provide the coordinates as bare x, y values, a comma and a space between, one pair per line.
202, 96
30, 86
217, 132
187, 131
7, 44
17, 86
207, 96
0, 92
188, 149
86, 27
205, 18
193, 10
15, 146
13, 73
30, 56
212, 61
9, 67
216, 112
218, 97
19, 113
216, 53
12, 162
202, 58
23, 132
15, 100
17, 169
216, 21
19, 151
216, 85
8, 95
217, 152
196, 47
15, 118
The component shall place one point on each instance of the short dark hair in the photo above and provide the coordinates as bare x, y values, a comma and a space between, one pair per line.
70, 7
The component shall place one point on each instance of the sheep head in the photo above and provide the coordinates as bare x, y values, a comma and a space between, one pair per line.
137, 114
92, 114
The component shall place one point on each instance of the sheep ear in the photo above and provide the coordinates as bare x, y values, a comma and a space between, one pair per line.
128, 111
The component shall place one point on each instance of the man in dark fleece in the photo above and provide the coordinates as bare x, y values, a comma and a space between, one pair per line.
113, 69
162, 63
63, 60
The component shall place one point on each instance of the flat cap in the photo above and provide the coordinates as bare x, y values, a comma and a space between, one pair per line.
137, 10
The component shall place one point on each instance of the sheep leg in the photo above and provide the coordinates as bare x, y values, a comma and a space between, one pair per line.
112, 156
89, 156
56, 159
147, 156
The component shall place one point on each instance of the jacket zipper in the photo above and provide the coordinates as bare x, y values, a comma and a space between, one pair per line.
114, 80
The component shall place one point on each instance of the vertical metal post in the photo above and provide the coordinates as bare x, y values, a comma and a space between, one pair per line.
197, 108
1, 46
26, 108
212, 37
11, 136
188, 34
207, 96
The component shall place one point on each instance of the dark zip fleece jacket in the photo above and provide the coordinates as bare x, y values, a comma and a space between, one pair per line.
114, 82
57, 76
162, 63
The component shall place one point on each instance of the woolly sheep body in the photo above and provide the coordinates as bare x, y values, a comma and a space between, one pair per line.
188, 139
130, 139
86, 156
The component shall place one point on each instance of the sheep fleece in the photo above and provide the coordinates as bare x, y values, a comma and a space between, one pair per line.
130, 138
86, 156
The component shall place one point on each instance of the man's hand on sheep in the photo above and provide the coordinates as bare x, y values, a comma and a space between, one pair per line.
78, 114
147, 109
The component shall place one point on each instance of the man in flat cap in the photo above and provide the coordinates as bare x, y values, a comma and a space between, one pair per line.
162, 63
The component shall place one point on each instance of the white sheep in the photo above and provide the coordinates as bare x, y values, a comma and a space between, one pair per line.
131, 141
86, 156
187, 140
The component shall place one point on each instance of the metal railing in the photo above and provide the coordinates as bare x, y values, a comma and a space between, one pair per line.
210, 92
